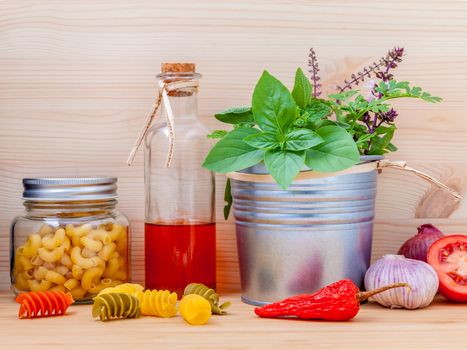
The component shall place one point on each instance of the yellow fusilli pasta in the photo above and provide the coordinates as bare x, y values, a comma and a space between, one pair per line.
128, 288
159, 303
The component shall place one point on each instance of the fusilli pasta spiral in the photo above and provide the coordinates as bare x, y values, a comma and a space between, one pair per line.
210, 295
195, 309
42, 304
127, 288
112, 306
160, 303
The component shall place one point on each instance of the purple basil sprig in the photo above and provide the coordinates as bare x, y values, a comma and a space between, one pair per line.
378, 119
313, 70
379, 69
391, 61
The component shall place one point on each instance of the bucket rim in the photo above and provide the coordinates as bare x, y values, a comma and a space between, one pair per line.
258, 173
260, 168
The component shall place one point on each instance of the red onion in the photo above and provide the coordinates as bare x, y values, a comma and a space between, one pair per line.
417, 246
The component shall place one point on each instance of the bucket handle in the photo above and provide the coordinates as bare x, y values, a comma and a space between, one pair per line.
359, 168
402, 165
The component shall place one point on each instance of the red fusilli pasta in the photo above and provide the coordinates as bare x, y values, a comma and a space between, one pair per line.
42, 304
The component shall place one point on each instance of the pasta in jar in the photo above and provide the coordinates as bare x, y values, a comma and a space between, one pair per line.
78, 246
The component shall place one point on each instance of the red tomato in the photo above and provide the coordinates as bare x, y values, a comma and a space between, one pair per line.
448, 256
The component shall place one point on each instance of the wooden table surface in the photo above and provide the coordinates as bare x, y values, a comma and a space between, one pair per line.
441, 326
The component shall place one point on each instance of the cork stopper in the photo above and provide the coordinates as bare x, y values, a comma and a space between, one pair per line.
176, 71
178, 67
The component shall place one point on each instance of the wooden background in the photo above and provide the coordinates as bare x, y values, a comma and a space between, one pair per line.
77, 78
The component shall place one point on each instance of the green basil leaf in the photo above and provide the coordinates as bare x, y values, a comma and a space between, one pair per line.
318, 109
326, 122
323, 122
284, 165
343, 96
262, 140
228, 199
273, 106
364, 138
301, 92
218, 134
232, 153
391, 147
381, 130
301, 139
337, 152
235, 115
379, 145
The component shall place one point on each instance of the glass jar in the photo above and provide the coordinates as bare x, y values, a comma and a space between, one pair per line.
180, 232
70, 238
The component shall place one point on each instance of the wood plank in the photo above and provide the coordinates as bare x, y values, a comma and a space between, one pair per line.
78, 78
435, 327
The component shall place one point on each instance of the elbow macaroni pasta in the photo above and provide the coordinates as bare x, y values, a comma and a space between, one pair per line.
88, 253
21, 282
71, 283
45, 230
53, 241
30, 248
90, 277
116, 232
91, 244
100, 235
62, 270
55, 277
82, 260
113, 267
36, 260
107, 250
36, 286
104, 283
24, 263
50, 255
40, 272
66, 260
77, 272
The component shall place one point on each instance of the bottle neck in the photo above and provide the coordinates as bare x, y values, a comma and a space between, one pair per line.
75, 209
183, 100
184, 106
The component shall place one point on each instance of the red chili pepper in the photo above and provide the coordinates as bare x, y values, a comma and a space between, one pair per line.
340, 301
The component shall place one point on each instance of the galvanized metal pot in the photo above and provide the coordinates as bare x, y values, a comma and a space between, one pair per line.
296, 241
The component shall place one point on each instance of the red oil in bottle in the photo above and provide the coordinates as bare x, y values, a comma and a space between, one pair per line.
177, 255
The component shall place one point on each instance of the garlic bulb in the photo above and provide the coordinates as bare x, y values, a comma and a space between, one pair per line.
421, 277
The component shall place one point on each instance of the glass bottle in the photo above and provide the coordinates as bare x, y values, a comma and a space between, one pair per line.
70, 237
180, 232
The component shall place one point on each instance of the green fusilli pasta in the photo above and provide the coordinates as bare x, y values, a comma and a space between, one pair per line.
210, 295
113, 306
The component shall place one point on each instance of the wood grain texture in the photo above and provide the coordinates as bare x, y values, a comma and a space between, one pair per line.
77, 78
375, 327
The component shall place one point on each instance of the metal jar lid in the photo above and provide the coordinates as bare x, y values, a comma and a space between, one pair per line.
70, 188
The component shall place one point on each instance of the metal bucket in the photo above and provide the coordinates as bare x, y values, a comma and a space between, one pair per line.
297, 241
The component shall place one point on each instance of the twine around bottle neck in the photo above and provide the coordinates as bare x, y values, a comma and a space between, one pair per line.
165, 88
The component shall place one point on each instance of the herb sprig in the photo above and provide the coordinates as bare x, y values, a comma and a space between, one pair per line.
292, 131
